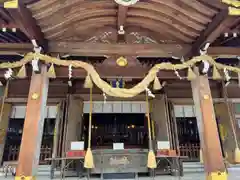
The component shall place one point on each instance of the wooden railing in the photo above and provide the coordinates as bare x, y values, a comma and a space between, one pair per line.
13, 151
191, 151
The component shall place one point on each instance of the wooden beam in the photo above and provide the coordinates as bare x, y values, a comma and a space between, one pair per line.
231, 51
212, 32
101, 49
208, 131
14, 48
33, 126
22, 16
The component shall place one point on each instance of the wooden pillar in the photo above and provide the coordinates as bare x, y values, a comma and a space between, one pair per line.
74, 121
160, 116
33, 127
4, 126
212, 155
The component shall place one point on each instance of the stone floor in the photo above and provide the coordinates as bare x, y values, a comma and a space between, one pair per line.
190, 176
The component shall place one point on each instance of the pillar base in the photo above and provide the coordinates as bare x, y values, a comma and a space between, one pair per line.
217, 176
25, 178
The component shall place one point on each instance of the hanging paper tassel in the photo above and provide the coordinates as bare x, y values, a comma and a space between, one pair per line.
88, 82
151, 156
88, 160
216, 74
22, 72
191, 74
157, 85
51, 72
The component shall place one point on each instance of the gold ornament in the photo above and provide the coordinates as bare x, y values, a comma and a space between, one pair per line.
122, 61
35, 96
205, 96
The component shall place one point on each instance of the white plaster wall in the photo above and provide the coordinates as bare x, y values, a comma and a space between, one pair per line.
19, 111
116, 107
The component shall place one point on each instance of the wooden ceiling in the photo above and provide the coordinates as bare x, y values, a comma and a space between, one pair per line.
172, 21
181, 21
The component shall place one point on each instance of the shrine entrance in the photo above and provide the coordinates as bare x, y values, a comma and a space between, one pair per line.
109, 128
116, 122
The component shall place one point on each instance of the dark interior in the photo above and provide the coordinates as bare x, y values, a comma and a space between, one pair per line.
107, 129
14, 137
187, 130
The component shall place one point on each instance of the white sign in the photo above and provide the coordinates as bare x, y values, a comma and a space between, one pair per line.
163, 145
77, 145
118, 146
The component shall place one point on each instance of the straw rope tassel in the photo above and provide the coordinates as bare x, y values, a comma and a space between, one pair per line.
156, 84
88, 161
237, 150
151, 156
3, 100
22, 72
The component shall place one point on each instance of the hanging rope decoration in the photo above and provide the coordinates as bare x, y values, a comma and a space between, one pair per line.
94, 78
88, 160
151, 163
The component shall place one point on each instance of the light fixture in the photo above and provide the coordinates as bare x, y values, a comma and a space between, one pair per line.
121, 61
14, 30
4, 29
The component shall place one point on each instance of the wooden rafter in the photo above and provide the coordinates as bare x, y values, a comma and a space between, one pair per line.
122, 15
27, 24
212, 32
